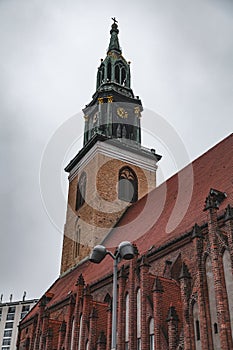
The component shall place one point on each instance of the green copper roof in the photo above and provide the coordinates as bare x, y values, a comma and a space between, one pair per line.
114, 42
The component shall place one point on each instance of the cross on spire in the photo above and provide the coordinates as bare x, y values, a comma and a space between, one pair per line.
114, 20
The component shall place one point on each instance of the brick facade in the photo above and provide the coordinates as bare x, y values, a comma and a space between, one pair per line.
102, 207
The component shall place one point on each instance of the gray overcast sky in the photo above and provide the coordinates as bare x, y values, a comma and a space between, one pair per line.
181, 53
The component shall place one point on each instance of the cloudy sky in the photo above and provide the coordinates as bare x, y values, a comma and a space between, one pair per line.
181, 55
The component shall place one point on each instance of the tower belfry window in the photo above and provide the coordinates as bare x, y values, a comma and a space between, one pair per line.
128, 185
123, 76
81, 191
109, 71
117, 73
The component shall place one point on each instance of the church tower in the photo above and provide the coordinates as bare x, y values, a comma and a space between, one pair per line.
112, 170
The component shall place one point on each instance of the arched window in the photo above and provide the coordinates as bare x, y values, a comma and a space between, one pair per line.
120, 73
212, 303
81, 191
109, 71
151, 332
138, 319
128, 185
87, 345
127, 322
196, 325
229, 283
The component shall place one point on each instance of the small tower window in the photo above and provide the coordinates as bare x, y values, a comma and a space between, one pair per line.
123, 76
117, 74
128, 185
81, 191
109, 71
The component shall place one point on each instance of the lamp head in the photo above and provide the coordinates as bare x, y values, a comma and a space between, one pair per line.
126, 250
98, 254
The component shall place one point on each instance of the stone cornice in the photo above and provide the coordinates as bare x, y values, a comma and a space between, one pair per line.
115, 149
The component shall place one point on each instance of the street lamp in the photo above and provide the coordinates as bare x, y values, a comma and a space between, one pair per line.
125, 251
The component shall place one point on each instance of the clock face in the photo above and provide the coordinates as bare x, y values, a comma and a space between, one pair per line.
122, 113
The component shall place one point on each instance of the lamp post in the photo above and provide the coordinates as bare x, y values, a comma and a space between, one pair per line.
125, 251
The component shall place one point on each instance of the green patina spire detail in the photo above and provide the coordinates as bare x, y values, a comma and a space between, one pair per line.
114, 42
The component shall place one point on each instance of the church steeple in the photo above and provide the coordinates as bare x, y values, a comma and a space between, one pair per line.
114, 42
114, 68
112, 170
114, 111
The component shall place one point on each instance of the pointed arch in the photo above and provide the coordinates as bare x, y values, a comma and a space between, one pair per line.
108, 299
127, 185
120, 73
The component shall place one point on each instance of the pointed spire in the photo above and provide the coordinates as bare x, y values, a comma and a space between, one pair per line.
80, 281
114, 42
